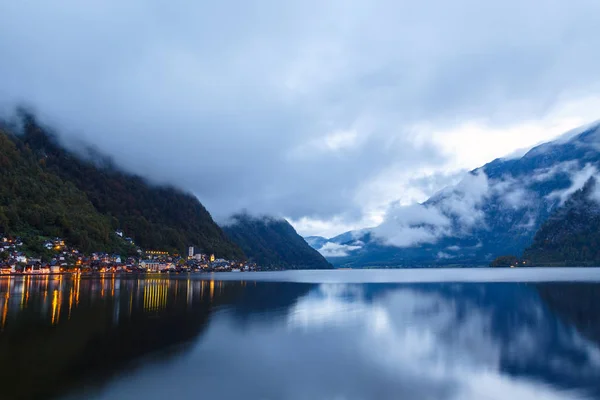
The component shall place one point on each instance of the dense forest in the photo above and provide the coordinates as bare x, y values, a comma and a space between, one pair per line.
48, 190
35, 203
273, 243
571, 235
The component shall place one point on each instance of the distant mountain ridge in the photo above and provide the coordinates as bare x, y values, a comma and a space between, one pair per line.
495, 210
273, 243
316, 242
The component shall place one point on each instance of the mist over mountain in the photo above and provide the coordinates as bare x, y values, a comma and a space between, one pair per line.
34, 202
316, 242
49, 190
494, 210
571, 235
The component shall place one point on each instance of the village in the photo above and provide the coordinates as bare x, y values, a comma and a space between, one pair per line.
65, 259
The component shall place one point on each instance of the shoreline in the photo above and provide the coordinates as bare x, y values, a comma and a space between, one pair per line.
12, 274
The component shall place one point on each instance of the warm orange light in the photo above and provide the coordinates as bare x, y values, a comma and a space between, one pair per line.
5, 309
70, 301
55, 307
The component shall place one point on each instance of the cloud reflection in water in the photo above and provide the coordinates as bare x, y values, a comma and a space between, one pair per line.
357, 342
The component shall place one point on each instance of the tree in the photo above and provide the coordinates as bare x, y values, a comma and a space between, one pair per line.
505, 261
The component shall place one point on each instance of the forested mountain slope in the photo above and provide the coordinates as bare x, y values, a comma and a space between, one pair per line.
273, 243
156, 217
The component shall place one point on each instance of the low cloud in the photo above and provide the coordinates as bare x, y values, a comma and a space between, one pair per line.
578, 179
444, 256
516, 197
332, 250
454, 210
545, 174
245, 214
406, 226
462, 201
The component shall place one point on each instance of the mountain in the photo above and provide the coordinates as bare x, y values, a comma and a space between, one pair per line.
103, 198
495, 210
571, 235
273, 243
316, 242
35, 202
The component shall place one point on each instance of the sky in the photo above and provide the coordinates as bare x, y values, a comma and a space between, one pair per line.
322, 112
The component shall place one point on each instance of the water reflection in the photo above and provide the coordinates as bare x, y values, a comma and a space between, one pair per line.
155, 338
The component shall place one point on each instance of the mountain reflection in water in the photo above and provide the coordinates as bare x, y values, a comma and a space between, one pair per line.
185, 338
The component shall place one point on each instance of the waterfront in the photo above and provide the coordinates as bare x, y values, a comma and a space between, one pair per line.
301, 335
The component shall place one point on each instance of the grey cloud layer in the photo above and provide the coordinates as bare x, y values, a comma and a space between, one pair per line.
287, 107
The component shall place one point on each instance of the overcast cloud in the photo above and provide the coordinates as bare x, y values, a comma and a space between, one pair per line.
322, 112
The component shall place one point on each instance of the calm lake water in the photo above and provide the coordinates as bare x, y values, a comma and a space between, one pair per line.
467, 334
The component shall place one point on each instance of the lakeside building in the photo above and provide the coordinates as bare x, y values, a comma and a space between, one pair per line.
63, 258
156, 253
156, 266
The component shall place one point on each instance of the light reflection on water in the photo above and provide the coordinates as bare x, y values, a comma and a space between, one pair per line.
185, 338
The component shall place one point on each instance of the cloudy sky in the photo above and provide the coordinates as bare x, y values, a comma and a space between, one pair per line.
323, 112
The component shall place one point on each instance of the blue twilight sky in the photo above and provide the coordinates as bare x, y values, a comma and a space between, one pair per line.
323, 112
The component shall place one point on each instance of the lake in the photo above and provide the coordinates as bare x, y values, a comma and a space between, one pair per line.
340, 335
